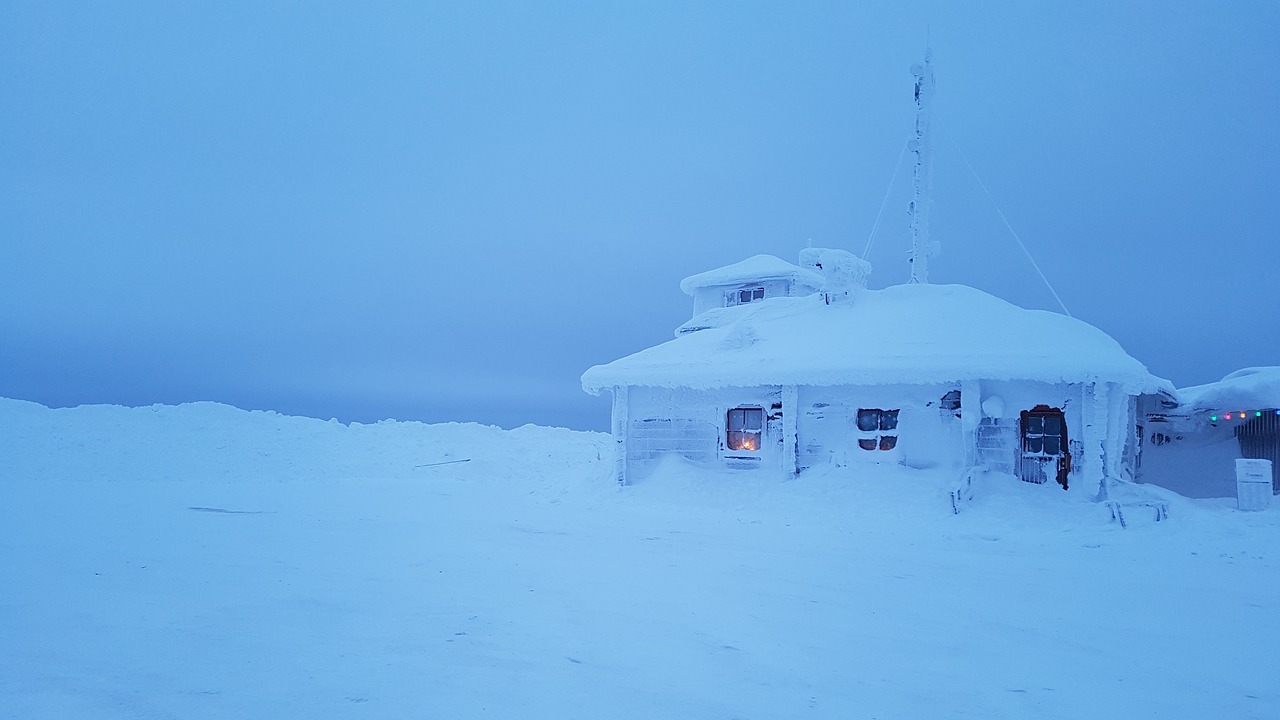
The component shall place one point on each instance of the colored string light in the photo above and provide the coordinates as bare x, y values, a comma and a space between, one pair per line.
1241, 415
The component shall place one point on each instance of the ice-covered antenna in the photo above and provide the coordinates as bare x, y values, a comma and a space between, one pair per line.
922, 147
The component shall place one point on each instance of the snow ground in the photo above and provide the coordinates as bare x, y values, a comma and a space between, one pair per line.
204, 562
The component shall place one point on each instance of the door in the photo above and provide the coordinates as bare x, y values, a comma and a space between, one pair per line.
1044, 446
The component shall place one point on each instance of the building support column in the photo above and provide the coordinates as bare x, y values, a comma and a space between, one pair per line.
620, 426
970, 417
790, 434
1093, 440
1118, 425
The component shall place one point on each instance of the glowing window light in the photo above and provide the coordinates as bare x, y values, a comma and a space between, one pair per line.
743, 427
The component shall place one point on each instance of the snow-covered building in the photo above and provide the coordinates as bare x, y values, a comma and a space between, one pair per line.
786, 368
1191, 443
752, 280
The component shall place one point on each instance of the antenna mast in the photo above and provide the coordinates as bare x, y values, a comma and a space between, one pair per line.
922, 147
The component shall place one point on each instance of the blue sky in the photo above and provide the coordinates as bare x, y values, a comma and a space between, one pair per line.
447, 211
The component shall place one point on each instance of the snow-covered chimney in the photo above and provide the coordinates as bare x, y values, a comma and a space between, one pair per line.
843, 273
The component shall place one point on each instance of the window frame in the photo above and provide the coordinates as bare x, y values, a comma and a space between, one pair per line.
872, 436
734, 297
744, 429
1035, 442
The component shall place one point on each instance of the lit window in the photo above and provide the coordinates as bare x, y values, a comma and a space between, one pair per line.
743, 427
872, 424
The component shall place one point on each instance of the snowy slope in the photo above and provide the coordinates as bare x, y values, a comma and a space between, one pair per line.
204, 562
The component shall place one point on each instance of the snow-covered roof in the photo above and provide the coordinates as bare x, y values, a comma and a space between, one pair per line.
903, 334
756, 267
1247, 389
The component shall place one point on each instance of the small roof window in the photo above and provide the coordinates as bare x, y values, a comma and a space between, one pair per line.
742, 296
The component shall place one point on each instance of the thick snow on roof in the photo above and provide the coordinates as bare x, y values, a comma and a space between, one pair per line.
1247, 389
904, 334
756, 267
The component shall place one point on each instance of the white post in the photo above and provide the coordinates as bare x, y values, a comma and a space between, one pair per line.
970, 417
1118, 428
1093, 435
922, 147
620, 427
790, 437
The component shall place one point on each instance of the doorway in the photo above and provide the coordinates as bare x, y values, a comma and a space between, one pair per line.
1044, 452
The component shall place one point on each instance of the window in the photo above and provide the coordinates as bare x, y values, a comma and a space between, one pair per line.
744, 296
1042, 434
743, 427
951, 401
872, 424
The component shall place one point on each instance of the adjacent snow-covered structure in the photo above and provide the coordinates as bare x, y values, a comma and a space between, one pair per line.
817, 370
1191, 442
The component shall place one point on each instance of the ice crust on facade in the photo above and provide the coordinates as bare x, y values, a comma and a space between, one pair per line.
905, 334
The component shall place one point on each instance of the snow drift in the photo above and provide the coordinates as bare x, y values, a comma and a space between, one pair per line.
205, 562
